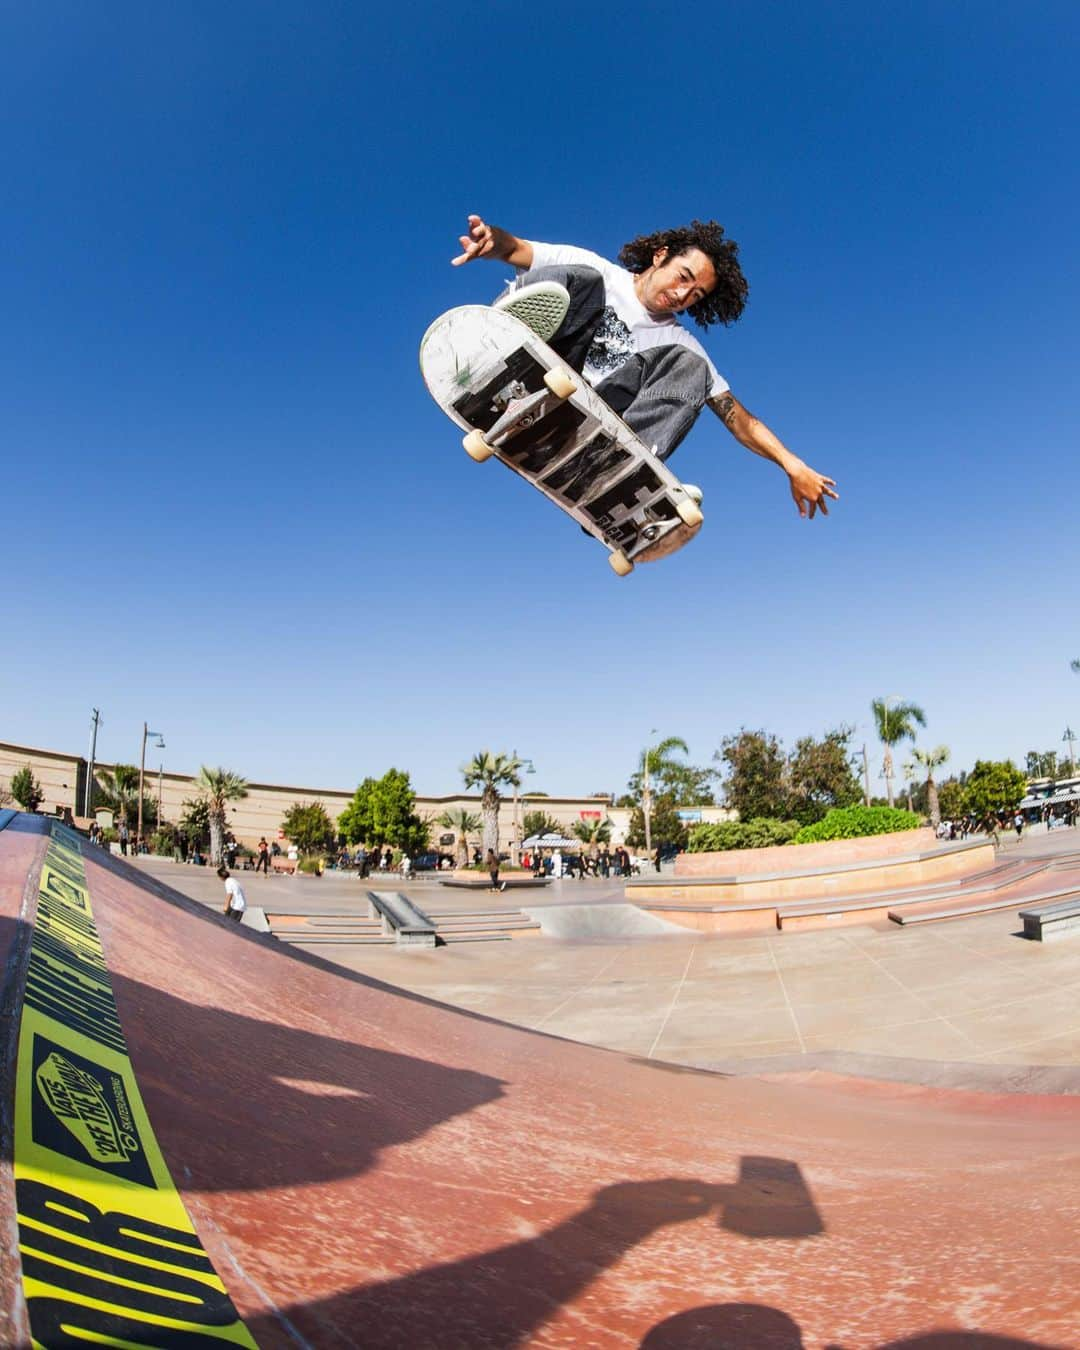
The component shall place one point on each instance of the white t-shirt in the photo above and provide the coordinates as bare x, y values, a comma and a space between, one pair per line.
627, 326
235, 894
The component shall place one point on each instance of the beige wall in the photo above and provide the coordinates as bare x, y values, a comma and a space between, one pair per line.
261, 812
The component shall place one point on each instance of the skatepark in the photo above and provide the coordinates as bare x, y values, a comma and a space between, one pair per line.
515, 1142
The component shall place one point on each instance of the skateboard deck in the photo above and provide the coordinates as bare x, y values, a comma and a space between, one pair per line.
520, 402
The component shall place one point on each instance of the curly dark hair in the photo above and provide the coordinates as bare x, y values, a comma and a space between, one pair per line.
727, 300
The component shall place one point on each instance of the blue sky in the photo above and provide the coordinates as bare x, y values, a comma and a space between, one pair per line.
232, 510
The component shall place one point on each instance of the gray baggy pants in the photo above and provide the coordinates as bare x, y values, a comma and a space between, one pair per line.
658, 393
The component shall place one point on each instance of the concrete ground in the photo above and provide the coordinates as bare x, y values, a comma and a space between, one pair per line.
963, 1002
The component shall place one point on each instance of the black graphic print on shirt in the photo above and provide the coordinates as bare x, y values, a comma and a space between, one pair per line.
611, 344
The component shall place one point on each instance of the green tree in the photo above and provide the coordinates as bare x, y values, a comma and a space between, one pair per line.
463, 823
951, 799
219, 787
357, 822
931, 760
894, 722
820, 776
686, 784
666, 827
755, 785
1041, 764
993, 788
118, 790
382, 811
26, 789
310, 828
195, 822
489, 772
593, 833
655, 764
539, 822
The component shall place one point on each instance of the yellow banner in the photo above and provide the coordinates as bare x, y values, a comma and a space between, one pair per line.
109, 1254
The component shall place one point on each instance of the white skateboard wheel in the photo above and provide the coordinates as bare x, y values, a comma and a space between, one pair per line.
560, 383
689, 513
476, 447
620, 563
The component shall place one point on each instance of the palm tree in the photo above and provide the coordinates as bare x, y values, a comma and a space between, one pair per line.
593, 833
120, 789
463, 823
218, 787
654, 760
894, 724
489, 772
931, 760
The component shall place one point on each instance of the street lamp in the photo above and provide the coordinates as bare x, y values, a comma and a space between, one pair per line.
159, 742
1069, 737
515, 847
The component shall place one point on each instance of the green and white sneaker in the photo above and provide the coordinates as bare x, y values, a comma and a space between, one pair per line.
541, 306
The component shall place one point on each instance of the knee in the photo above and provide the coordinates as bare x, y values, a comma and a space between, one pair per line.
687, 368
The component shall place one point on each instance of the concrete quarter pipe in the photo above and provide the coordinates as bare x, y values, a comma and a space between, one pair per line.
367, 1168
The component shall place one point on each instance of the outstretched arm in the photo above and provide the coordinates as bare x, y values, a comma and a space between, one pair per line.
488, 241
809, 488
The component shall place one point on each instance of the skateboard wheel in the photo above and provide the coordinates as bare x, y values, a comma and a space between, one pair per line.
560, 384
620, 563
690, 513
476, 447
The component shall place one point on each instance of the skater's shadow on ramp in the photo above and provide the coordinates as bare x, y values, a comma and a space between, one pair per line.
239, 1103
499, 1297
756, 1326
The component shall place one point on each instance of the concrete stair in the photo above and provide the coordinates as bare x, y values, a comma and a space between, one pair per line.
451, 926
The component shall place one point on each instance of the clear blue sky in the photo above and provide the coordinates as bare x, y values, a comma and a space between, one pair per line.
231, 509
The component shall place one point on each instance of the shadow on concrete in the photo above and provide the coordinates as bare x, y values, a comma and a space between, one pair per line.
251, 1105
756, 1326
498, 1298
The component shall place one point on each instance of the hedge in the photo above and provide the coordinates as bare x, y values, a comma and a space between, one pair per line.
853, 822
761, 832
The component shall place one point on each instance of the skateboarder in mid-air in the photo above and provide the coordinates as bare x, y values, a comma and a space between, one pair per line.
617, 326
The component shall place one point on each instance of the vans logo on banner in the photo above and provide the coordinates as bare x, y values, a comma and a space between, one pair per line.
81, 1111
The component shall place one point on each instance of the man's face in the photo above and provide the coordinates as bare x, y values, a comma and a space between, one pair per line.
674, 283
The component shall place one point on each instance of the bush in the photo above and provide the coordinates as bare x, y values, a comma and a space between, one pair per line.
163, 842
311, 865
853, 822
761, 832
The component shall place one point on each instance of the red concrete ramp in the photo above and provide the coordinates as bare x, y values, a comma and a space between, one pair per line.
366, 1168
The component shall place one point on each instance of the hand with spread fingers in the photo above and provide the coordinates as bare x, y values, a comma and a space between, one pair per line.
810, 490
478, 243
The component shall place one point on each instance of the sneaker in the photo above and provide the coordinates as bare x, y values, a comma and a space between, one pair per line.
541, 306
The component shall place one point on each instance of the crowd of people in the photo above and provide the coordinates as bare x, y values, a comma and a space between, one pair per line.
554, 863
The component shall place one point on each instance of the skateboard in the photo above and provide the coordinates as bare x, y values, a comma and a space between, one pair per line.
520, 402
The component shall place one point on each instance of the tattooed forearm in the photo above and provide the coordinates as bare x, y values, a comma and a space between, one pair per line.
725, 408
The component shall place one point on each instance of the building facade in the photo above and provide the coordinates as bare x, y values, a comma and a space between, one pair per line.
63, 780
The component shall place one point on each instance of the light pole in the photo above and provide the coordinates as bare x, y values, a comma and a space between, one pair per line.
96, 721
1069, 737
515, 848
160, 743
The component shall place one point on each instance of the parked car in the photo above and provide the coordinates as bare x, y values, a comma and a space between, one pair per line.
430, 862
